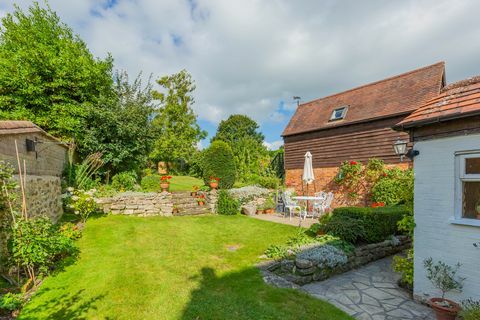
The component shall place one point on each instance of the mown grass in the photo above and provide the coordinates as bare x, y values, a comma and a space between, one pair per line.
173, 268
184, 183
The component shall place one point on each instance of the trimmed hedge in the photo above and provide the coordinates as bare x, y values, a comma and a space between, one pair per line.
151, 183
217, 161
357, 224
124, 181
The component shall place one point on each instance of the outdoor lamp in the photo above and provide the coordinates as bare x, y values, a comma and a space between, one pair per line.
400, 147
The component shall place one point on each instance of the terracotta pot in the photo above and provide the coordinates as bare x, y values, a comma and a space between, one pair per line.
201, 203
444, 313
164, 186
175, 210
214, 185
270, 211
193, 193
478, 216
260, 211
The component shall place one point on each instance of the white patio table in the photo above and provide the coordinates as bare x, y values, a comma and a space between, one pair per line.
307, 199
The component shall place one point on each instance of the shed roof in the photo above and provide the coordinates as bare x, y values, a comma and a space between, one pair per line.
386, 98
457, 100
8, 127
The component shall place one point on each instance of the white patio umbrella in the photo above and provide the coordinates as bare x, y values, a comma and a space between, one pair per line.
308, 176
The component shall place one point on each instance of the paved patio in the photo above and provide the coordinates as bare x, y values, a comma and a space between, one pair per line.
278, 218
371, 293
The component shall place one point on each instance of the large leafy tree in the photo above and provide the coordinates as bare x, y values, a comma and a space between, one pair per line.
121, 128
47, 73
246, 142
176, 127
236, 127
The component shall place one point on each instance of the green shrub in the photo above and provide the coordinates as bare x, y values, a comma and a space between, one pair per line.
268, 182
470, 310
124, 181
151, 183
37, 245
394, 186
404, 265
217, 161
345, 228
226, 204
377, 223
11, 301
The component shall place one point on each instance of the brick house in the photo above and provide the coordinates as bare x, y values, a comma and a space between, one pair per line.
355, 125
44, 156
446, 133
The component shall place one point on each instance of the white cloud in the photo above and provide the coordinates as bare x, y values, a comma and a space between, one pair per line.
274, 145
247, 56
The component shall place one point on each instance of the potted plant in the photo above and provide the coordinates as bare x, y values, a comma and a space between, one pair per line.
194, 191
165, 183
214, 182
269, 206
260, 210
201, 200
175, 209
444, 278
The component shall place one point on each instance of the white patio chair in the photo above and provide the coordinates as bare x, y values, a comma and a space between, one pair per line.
325, 205
319, 203
291, 206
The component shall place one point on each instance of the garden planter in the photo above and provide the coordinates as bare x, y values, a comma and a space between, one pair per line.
260, 211
164, 186
447, 312
193, 193
270, 211
214, 185
201, 203
174, 210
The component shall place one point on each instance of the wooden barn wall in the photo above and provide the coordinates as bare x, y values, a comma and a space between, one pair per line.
358, 142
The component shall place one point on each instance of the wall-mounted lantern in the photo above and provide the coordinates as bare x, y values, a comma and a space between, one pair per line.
400, 147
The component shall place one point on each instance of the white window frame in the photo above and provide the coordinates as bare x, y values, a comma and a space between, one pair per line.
344, 113
460, 177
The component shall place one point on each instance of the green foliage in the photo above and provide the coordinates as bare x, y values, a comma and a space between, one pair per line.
70, 230
347, 229
11, 301
124, 181
82, 203
81, 175
393, 187
369, 225
268, 182
404, 265
151, 183
236, 127
217, 161
269, 203
47, 74
8, 209
470, 310
227, 205
176, 130
37, 245
275, 251
443, 276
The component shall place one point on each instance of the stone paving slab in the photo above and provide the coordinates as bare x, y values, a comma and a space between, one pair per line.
371, 293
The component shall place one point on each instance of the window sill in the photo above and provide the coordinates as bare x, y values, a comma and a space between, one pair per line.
466, 222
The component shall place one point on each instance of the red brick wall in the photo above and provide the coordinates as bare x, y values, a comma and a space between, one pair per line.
324, 181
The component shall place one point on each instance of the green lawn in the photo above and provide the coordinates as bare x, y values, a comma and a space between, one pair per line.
173, 268
184, 183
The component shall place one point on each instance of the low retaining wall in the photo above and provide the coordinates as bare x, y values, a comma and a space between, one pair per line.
302, 271
149, 204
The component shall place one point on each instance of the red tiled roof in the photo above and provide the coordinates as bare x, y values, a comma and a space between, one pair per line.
393, 96
459, 99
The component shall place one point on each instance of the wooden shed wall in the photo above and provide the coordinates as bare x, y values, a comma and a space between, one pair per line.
358, 142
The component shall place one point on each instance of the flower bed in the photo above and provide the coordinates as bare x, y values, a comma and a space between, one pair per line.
316, 262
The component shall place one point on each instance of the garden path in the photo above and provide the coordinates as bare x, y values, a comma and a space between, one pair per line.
371, 293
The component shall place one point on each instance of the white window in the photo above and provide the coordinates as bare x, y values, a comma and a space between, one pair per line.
339, 113
467, 190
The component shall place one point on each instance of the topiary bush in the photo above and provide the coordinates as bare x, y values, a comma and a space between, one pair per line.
124, 181
368, 225
217, 161
227, 205
395, 186
151, 183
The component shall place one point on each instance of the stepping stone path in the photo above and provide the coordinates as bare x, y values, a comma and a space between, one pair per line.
370, 293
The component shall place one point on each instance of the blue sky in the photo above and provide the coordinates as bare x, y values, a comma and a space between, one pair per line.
253, 56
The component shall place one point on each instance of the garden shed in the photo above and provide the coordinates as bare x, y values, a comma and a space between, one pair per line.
355, 125
446, 133
45, 157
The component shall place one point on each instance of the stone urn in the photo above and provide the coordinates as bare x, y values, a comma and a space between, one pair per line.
445, 309
164, 186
